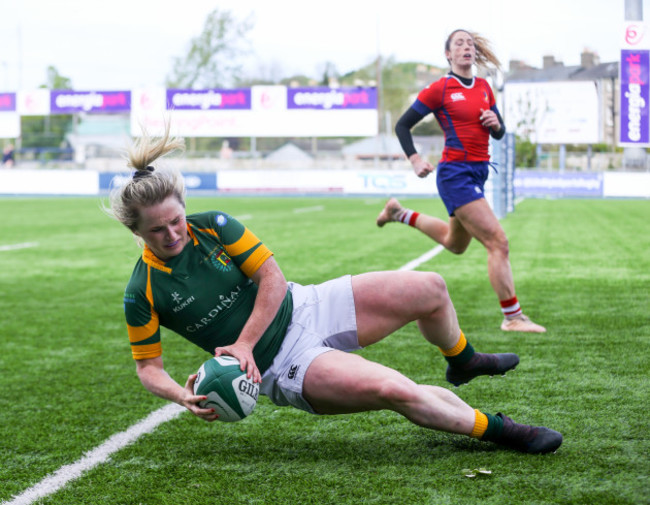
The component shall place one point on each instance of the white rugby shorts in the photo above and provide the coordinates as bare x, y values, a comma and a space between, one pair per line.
324, 319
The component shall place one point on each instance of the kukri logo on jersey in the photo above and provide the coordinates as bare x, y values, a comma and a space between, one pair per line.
180, 302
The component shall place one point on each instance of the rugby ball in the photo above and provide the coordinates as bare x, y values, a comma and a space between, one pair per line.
229, 392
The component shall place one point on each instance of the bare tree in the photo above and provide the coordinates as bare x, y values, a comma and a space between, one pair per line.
213, 57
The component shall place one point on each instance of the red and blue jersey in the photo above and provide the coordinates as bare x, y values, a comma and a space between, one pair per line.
457, 108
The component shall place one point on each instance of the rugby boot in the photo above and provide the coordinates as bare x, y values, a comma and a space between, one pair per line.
525, 438
482, 364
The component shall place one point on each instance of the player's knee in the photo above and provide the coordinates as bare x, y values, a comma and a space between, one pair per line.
394, 393
437, 288
457, 248
501, 245
458, 243
424, 293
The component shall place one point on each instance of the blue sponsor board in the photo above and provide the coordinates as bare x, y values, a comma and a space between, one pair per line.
209, 99
194, 181
635, 97
7, 102
324, 98
536, 183
70, 102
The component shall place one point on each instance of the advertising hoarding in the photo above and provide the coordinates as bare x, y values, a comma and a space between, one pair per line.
634, 74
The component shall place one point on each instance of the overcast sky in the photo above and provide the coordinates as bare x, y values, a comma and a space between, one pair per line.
120, 44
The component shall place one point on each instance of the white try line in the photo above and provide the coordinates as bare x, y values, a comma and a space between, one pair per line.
13, 247
411, 265
53, 482
315, 208
436, 250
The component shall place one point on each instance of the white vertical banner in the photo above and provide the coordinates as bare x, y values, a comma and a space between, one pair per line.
33, 103
9, 118
9, 125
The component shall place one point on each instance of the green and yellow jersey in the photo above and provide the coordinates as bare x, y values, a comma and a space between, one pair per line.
204, 294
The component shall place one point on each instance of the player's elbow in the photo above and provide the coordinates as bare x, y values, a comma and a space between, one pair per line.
401, 129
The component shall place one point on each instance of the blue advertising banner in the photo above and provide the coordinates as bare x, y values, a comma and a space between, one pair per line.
69, 102
531, 183
194, 181
7, 102
210, 99
332, 98
635, 97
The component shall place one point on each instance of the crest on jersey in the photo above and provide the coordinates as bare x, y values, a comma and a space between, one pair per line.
221, 261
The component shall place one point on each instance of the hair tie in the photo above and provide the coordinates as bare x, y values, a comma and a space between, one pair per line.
142, 173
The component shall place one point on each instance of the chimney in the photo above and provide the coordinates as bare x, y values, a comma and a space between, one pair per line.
588, 59
517, 65
549, 61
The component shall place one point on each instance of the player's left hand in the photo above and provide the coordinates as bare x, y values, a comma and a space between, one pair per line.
489, 119
244, 354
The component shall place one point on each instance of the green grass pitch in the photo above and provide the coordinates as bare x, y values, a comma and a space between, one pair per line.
68, 382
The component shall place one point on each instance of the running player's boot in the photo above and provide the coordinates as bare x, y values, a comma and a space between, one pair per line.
525, 438
482, 364
521, 323
390, 212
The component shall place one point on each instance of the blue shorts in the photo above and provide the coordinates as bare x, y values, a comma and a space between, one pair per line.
461, 182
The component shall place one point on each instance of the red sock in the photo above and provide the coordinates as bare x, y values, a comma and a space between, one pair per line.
409, 217
510, 308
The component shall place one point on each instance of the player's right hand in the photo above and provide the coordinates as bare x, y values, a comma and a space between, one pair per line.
421, 167
191, 401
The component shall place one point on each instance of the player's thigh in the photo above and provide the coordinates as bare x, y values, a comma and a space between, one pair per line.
458, 237
386, 301
339, 383
478, 219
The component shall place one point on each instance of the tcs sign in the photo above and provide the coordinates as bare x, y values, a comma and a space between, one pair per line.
383, 182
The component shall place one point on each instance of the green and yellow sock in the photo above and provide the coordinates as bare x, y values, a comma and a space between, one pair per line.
460, 354
486, 426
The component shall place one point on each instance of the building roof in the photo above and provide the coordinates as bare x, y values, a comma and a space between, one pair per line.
288, 152
601, 71
559, 72
107, 131
382, 144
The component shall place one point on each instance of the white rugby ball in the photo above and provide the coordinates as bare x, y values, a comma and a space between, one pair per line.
229, 392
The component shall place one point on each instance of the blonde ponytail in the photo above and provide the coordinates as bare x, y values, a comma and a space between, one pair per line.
148, 186
484, 53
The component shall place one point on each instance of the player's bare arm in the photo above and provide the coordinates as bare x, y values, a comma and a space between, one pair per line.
272, 288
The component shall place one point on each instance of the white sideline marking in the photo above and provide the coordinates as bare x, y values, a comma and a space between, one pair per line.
436, 250
422, 259
53, 482
244, 217
13, 247
315, 208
